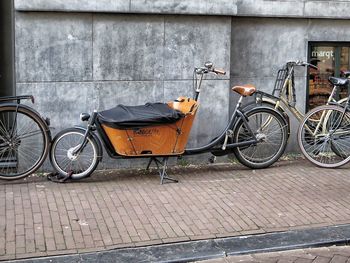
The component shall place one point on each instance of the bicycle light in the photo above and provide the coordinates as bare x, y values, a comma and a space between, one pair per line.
84, 116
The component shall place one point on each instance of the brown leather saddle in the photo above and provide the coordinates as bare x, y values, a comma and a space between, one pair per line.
245, 90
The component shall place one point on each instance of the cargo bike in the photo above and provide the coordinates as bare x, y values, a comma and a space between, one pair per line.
159, 131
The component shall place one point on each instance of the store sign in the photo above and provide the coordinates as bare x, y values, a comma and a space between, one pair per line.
322, 53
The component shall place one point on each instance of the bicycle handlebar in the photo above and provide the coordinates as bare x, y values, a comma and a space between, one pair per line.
219, 71
302, 63
209, 68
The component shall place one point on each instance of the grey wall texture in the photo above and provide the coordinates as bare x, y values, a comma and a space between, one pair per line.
76, 56
80, 62
260, 46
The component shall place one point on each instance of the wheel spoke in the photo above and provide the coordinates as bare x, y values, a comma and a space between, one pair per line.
64, 159
26, 142
320, 136
271, 134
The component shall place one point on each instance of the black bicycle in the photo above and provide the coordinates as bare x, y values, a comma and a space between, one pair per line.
24, 138
257, 137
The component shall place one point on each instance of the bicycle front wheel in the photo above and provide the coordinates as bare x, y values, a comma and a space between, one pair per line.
324, 136
24, 142
64, 158
271, 131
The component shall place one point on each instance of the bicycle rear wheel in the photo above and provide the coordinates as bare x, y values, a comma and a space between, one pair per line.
324, 136
272, 133
24, 142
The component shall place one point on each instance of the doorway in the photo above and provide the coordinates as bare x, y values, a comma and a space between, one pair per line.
332, 59
6, 48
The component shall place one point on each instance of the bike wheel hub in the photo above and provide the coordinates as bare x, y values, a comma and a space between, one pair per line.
71, 153
261, 137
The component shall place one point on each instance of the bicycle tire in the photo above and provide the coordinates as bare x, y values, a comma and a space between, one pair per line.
65, 162
262, 154
319, 143
21, 154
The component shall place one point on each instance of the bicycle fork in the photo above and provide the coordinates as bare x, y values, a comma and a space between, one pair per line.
89, 128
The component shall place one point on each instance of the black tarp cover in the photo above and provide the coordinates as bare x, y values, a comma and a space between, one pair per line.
123, 116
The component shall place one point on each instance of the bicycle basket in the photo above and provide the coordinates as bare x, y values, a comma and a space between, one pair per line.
281, 76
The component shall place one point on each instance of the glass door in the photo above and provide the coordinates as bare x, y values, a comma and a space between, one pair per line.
319, 88
332, 59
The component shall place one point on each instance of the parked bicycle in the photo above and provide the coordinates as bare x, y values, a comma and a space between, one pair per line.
160, 130
283, 96
324, 133
24, 138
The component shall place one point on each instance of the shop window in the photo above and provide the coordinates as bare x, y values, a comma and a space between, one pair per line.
332, 59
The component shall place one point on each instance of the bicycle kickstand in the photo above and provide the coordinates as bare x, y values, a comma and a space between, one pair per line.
162, 169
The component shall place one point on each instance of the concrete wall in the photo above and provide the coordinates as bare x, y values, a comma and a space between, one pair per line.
188, 7
74, 62
260, 46
75, 57
262, 8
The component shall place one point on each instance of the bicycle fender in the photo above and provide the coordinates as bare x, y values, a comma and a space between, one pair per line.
23, 106
269, 101
11, 104
244, 115
95, 137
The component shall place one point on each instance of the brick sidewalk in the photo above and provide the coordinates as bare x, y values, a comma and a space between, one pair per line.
332, 254
126, 209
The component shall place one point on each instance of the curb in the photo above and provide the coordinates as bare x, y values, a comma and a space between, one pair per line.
214, 248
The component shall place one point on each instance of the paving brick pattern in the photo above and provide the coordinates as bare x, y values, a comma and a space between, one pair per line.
333, 254
130, 208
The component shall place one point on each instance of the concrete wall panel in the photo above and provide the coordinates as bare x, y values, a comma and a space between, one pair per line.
113, 93
53, 47
74, 5
177, 88
204, 7
327, 9
337, 9
261, 46
128, 47
61, 102
191, 41
220, 7
289, 8
324, 30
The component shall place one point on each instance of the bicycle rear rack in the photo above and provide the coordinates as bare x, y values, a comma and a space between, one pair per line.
17, 98
281, 76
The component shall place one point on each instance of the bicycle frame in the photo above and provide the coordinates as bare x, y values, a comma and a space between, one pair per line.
163, 139
219, 144
324, 119
212, 146
287, 97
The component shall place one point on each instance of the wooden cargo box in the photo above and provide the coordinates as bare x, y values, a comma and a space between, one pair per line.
164, 140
